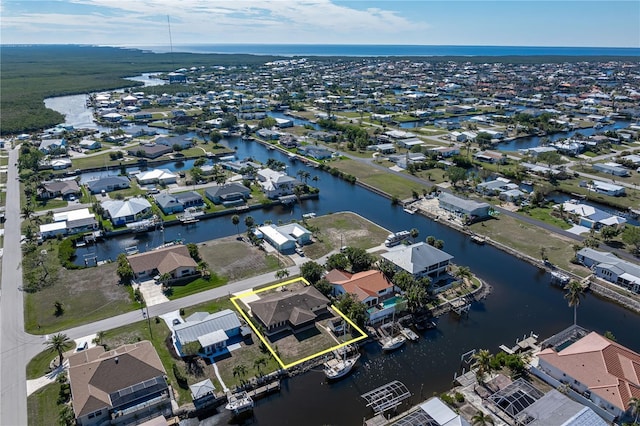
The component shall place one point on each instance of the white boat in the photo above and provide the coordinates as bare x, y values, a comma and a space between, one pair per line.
409, 334
393, 343
339, 367
239, 402
309, 215
396, 238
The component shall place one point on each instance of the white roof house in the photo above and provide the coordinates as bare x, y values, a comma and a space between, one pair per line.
284, 238
442, 414
156, 176
121, 212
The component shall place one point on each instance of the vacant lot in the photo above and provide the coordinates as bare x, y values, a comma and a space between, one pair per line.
235, 260
383, 180
87, 295
530, 239
343, 229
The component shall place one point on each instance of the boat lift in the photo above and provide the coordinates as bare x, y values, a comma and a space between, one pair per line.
386, 397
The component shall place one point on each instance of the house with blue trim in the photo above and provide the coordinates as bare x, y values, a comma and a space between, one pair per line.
210, 332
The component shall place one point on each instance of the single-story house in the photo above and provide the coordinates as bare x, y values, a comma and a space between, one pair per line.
168, 203
608, 188
173, 260
496, 186
230, 194
49, 145
283, 122
90, 144
120, 387
445, 151
149, 150
382, 148
108, 184
590, 217
268, 134
284, 238
69, 222
121, 212
212, 332
611, 268
409, 143
295, 310
159, 176
611, 168
189, 199
183, 143
420, 260
461, 206
598, 368
317, 152
490, 157
59, 188
511, 195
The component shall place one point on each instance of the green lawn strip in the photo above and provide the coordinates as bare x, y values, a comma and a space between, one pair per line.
42, 406
50, 204
543, 214
392, 184
87, 295
196, 286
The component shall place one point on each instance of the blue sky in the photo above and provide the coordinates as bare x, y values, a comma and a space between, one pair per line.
500, 23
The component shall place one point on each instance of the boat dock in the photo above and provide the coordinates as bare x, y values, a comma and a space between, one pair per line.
409, 334
527, 343
264, 390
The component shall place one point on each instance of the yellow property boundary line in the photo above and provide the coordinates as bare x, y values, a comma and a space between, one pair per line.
237, 298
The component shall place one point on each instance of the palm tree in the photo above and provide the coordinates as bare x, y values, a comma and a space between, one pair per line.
249, 222
574, 292
27, 212
262, 361
414, 234
235, 219
634, 408
282, 273
58, 343
240, 371
482, 363
463, 272
482, 419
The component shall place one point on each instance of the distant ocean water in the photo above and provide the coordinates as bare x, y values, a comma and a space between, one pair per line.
393, 50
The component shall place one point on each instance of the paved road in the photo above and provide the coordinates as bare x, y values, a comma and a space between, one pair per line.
16, 347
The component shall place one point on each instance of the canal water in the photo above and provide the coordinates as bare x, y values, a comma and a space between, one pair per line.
521, 301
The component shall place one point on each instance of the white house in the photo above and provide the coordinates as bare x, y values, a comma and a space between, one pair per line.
160, 176
284, 238
607, 266
275, 184
69, 222
420, 260
608, 188
123, 212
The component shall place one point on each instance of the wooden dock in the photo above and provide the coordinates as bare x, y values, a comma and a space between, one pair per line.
262, 391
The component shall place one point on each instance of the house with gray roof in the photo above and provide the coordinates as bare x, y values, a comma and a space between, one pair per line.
474, 210
168, 203
611, 168
607, 266
121, 212
211, 332
420, 260
150, 151
181, 142
59, 188
276, 184
189, 199
49, 145
229, 194
293, 310
108, 184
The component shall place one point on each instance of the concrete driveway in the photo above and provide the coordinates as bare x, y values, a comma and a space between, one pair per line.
152, 293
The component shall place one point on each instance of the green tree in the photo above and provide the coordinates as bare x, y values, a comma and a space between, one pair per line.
403, 280
456, 174
359, 259
414, 233
240, 371
58, 343
464, 272
352, 308
235, 219
482, 419
608, 233
631, 236
416, 296
249, 222
66, 416
282, 273
387, 268
124, 270
58, 308
550, 158
311, 271
99, 339
482, 364
337, 261
194, 252
260, 362
574, 292
324, 287
609, 335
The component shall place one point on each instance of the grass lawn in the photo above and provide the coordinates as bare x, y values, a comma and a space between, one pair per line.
42, 406
87, 295
384, 181
235, 260
39, 364
530, 239
247, 356
46, 205
632, 199
196, 286
343, 229
544, 214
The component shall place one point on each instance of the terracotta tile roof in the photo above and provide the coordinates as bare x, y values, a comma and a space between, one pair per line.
364, 284
337, 275
165, 260
95, 375
607, 368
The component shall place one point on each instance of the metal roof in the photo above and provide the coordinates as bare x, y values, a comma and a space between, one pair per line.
386, 397
190, 331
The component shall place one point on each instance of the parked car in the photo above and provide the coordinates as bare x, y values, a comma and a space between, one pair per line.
300, 251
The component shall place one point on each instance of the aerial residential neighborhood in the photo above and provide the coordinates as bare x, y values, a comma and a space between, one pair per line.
234, 240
